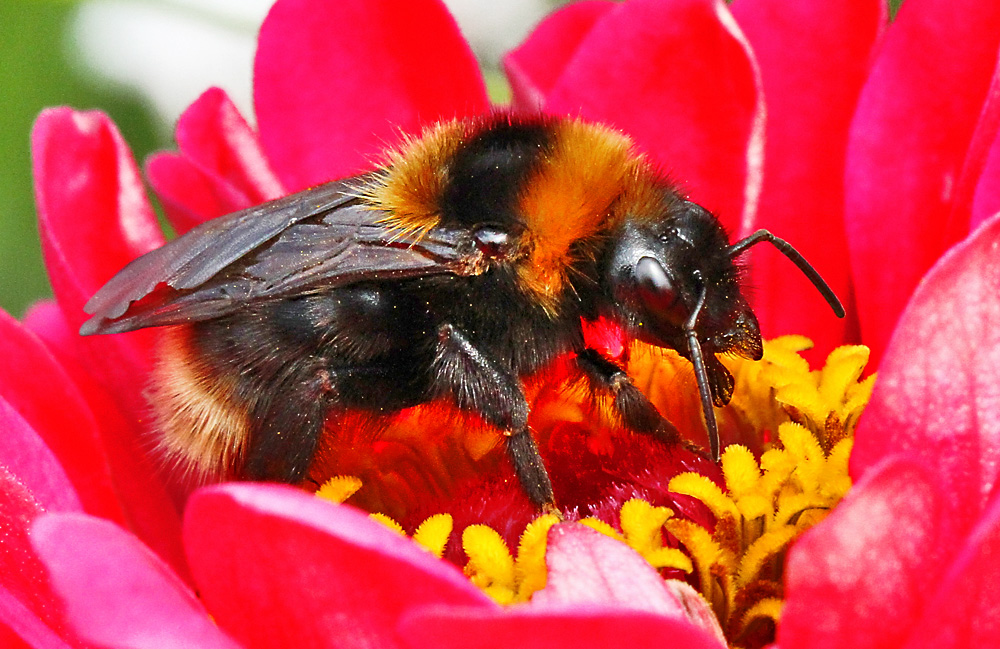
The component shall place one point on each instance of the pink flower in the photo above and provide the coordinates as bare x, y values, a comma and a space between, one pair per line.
813, 119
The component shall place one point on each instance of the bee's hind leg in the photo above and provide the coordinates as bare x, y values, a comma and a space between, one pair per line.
286, 427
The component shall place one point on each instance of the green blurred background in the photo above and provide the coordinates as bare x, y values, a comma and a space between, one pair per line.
42, 65
35, 72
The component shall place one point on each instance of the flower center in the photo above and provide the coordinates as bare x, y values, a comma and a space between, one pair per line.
724, 532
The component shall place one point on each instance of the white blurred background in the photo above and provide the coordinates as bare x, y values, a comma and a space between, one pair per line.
171, 50
142, 62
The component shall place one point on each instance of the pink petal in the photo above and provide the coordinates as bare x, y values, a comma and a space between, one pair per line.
535, 66
46, 320
679, 78
908, 142
858, 579
20, 628
281, 568
27, 602
965, 612
220, 169
939, 385
587, 567
94, 218
38, 388
25, 455
138, 477
117, 593
335, 82
578, 627
813, 57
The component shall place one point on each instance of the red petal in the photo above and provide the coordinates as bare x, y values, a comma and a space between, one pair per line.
986, 201
976, 158
908, 142
334, 82
94, 218
858, 579
281, 568
190, 195
117, 593
813, 57
678, 77
38, 388
939, 385
27, 602
25, 455
587, 567
213, 135
965, 612
580, 627
220, 169
20, 628
535, 66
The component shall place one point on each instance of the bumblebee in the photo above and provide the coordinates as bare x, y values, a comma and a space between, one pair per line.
467, 261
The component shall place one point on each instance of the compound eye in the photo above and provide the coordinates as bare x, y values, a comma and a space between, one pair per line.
657, 291
492, 242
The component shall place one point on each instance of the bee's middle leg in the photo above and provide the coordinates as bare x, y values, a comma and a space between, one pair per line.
480, 384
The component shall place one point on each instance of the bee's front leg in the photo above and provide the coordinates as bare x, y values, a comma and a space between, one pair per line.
635, 409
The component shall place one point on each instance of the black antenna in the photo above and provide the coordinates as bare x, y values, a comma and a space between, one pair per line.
796, 257
701, 375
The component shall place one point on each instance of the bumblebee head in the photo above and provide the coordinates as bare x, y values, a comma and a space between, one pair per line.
673, 276
673, 281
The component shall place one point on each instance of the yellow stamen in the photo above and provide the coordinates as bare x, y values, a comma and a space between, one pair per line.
491, 566
529, 568
339, 488
765, 548
603, 528
433, 533
712, 562
642, 525
771, 501
768, 608
388, 522
699, 486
